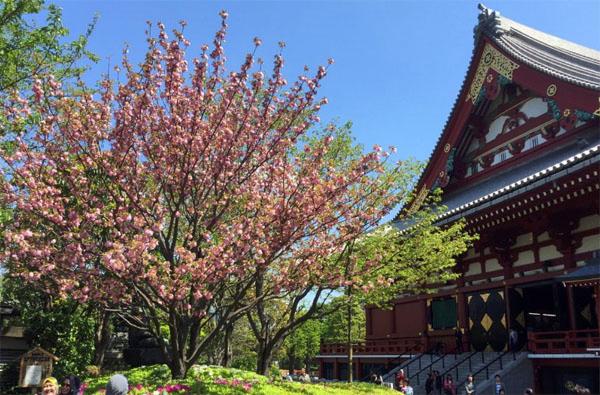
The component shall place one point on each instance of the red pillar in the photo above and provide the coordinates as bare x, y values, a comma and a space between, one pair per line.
394, 319
321, 367
571, 308
424, 325
463, 320
336, 370
507, 315
597, 296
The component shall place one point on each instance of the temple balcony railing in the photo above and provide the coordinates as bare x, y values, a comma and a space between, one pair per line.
563, 342
388, 346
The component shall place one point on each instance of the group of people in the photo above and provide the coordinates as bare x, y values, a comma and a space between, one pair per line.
435, 384
71, 385
403, 383
435, 381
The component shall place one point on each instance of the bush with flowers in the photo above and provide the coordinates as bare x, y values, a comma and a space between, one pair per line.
216, 380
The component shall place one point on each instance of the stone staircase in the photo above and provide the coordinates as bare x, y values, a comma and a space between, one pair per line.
483, 364
418, 378
389, 377
516, 375
418, 367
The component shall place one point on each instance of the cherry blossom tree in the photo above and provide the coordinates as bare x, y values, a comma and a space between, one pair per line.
166, 196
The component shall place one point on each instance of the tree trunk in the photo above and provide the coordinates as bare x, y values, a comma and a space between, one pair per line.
226, 359
292, 360
263, 360
349, 345
102, 338
178, 367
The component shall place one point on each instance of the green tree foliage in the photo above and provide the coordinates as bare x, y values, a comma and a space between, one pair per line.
34, 43
29, 48
64, 328
414, 256
302, 345
334, 327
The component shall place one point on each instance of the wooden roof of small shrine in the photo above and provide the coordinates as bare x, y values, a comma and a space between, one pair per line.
548, 66
39, 350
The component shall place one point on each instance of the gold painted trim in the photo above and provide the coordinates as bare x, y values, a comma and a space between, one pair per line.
418, 200
493, 59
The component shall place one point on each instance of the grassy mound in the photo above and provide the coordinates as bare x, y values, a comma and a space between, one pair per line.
156, 380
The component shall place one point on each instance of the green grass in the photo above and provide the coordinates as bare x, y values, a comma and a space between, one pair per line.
215, 380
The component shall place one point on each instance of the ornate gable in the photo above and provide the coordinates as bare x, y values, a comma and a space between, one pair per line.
511, 102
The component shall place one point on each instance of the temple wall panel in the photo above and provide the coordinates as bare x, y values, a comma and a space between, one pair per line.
470, 253
534, 107
543, 237
589, 243
492, 265
589, 222
532, 272
524, 258
474, 268
448, 287
496, 128
556, 268
549, 252
524, 240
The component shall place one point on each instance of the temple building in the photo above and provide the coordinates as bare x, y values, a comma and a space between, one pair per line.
518, 160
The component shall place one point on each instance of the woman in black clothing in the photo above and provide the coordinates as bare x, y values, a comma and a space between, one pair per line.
429, 383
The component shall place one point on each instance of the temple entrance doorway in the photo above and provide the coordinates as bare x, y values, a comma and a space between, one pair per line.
545, 308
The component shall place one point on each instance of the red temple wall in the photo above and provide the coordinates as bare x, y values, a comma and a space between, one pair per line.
382, 323
404, 320
411, 319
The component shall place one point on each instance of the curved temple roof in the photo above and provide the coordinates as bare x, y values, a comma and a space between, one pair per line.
551, 55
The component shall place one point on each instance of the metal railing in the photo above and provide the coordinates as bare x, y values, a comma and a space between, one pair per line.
400, 360
431, 363
469, 359
487, 367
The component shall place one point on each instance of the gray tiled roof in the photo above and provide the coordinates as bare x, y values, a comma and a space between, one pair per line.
588, 157
513, 174
549, 54
513, 183
590, 271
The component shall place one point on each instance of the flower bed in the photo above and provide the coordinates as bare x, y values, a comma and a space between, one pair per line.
216, 380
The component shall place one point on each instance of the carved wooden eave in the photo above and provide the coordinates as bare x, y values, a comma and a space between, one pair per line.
564, 74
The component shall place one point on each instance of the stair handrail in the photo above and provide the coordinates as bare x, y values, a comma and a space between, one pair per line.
410, 350
432, 362
487, 367
468, 359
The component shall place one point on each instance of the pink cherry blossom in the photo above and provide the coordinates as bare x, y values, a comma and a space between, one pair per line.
181, 179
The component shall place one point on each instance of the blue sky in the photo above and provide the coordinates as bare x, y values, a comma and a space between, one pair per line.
398, 64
